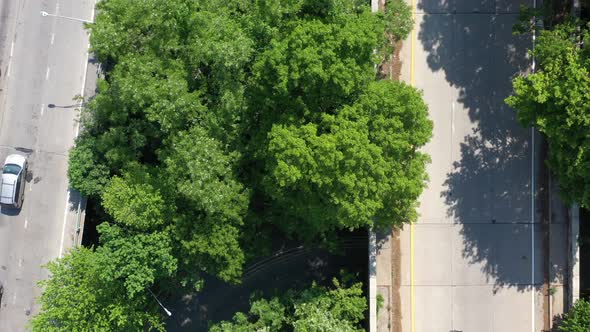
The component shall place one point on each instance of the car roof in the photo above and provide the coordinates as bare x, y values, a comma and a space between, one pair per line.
16, 159
7, 188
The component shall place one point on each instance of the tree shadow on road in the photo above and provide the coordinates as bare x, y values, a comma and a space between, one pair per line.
488, 188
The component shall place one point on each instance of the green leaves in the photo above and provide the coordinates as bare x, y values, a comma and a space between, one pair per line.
204, 175
398, 19
269, 315
314, 309
138, 26
577, 319
215, 112
317, 66
556, 100
77, 297
212, 202
138, 260
339, 309
339, 149
85, 173
354, 168
144, 208
158, 89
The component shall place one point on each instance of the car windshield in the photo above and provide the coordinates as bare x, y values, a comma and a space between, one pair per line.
11, 169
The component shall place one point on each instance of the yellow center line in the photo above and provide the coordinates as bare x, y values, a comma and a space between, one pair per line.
412, 301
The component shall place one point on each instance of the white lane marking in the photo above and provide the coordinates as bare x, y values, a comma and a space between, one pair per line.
10, 59
47, 73
26, 223
83, 88
20, 262
52, 38
63, 229
87, 57
85, 74
14, 298
42, 109
92, 13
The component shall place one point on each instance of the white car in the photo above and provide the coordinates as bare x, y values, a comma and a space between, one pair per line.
12, 186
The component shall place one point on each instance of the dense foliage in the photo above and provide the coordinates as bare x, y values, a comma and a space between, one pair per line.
556, 100
353, 168
577, 319
217, 120
315, 309
82, 296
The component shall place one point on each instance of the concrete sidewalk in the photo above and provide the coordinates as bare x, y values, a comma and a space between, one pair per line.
388, 281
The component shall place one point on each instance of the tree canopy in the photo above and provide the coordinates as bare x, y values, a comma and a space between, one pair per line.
556, 100
353, 168
316, 309
216, 121
81, 296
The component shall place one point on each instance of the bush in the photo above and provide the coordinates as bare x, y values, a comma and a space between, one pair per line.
577, 319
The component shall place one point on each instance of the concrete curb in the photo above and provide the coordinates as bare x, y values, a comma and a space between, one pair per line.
574, 256
574, 227
91, 75
373, 252
372, 281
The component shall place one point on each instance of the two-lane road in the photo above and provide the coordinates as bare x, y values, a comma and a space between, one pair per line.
43, 66
474, 261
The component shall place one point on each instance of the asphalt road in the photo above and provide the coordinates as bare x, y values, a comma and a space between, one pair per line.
43, 61
477, 247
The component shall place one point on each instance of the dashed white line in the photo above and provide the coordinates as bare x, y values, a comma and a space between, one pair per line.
20, 262
26, 223
10, 59
52, 38
47, 73
14, 298
42, 109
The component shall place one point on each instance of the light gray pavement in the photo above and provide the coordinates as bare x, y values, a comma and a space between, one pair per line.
478, 255
43, 63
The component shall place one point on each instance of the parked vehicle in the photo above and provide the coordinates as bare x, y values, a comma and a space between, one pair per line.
12, 184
